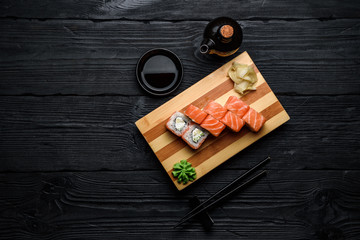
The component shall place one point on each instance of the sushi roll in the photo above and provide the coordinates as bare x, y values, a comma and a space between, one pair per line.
233, 121
254, 120
236, 106
214, 126
195, 114
215, 110
178, 123
194, 136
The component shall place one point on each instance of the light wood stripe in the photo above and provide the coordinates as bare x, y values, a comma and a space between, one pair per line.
161, 141
228, 139
210, 82
216, 86
264, 102
185, 153
217, 159
160, 146
159, 128
218, 94
248, 98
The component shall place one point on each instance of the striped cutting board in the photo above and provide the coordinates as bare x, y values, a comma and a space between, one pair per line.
217, 86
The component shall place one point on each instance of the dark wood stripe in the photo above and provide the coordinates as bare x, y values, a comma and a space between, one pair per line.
217, 92
170, 149
176, 146
272, 110
179, 144
261, 91
229, 138
220, 90
213, 94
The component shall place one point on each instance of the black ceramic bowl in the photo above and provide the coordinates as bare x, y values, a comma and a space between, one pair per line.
159, 72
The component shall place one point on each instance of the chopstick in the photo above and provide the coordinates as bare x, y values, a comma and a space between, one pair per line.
251, 180
251, 170
231, 184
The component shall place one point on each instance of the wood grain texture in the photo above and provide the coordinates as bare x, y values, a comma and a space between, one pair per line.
94, 133
99, 58
68, 96
284, 205
217, 86
179, 10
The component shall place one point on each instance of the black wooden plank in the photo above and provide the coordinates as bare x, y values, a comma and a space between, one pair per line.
91, 58
180, 10
292, 204
94, 133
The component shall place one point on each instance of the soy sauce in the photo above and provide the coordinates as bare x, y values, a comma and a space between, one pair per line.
222, 36
159, 73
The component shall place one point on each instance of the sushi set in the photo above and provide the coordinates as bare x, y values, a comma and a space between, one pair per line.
210, 122
213, 119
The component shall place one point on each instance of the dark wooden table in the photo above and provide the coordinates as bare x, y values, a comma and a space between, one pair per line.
74, 166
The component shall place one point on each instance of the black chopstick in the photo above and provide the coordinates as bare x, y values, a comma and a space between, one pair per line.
228, 186
251, 180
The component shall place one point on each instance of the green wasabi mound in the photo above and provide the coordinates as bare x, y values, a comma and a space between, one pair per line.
184, 172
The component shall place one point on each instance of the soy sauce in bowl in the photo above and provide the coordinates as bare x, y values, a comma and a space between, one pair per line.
159, 72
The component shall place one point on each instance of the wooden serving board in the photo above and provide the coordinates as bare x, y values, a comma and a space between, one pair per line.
217, 86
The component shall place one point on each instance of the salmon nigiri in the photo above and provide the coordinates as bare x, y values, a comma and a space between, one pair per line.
215, 110
237, 106
233, 121
254, 120
195, 113
214, 126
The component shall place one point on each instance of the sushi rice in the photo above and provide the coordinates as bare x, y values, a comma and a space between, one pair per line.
195, 135
178, 123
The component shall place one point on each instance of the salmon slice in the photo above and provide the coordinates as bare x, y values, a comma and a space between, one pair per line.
233, 121
195, 113
237, 106
214, 126
215, 110
254, 120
